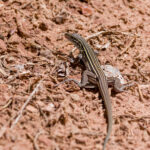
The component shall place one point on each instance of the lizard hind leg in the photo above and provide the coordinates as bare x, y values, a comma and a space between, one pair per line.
117, 85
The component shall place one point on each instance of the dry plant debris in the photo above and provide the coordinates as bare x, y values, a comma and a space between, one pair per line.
37, 115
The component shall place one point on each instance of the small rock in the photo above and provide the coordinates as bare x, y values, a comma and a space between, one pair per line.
59, 20
22, 27
86, 11
75, 97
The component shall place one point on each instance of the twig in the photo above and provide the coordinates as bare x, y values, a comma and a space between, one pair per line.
35, 140
25, 104
6, 105
109, 32
140, 93
95, 35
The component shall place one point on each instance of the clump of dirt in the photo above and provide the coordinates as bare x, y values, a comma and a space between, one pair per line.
34, 58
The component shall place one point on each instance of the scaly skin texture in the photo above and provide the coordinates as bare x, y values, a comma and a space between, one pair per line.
94, 71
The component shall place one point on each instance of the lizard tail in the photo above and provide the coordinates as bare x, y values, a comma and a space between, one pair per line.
109, 129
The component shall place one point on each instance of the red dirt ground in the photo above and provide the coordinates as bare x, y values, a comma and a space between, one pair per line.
35, 114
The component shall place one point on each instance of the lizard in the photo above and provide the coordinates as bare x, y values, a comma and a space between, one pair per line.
97, 75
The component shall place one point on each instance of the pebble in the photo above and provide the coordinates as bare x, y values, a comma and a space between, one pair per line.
75, 97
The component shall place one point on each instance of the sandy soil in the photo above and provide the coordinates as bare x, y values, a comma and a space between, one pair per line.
33, 55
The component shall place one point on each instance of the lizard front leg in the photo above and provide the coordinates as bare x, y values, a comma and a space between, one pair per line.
86, 80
